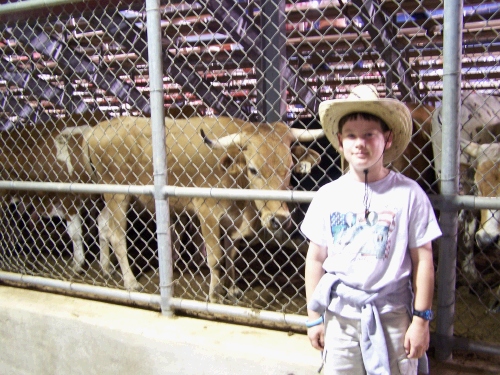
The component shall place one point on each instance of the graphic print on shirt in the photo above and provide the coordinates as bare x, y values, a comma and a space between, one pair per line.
359, 236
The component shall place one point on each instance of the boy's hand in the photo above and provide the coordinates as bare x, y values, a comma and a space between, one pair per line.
417, 338
316, 335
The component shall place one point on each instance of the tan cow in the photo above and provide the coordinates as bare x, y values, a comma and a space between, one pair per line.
486, 163
479, 122
416, 162
37, 154
201, 152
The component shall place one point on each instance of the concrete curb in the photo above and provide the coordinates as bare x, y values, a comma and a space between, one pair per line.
44, 333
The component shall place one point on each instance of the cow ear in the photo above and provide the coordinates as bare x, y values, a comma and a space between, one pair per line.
234, 165
304, 159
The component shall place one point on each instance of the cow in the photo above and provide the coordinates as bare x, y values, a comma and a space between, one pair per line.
36, 154
479, 124
417, 159
486, 163
218, 152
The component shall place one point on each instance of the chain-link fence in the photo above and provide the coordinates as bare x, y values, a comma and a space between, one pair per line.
78, 84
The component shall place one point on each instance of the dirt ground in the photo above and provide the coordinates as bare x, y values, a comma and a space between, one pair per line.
465, 364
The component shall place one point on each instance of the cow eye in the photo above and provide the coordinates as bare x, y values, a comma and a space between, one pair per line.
253, 170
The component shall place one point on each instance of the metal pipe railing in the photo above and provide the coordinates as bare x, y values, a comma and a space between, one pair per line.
440, 202
449, 176
159, 153
30, 5
280, 320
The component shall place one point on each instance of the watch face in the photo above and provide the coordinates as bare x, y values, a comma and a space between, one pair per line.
427, 314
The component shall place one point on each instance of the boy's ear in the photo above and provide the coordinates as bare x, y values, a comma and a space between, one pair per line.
389, 138
339, 137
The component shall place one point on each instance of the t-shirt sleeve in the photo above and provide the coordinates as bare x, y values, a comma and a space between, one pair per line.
315, 224
424, 226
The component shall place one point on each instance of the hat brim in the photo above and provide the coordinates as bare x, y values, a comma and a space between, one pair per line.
394, 113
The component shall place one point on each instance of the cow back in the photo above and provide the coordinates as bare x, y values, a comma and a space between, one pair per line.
31, 154
416, 161
479, 122
121, 150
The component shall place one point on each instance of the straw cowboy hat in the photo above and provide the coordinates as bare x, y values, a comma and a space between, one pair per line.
364, 98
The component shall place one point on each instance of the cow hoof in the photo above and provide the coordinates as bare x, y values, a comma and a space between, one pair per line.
108, 273
134, 287
216, 298
217, 295
77, 268
494, 307
235, 293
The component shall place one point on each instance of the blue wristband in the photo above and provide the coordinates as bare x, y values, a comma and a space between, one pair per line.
314, 322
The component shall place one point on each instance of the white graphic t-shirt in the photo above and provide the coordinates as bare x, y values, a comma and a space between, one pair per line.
368, 247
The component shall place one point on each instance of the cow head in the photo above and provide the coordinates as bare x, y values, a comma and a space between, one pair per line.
263, 156
486, 162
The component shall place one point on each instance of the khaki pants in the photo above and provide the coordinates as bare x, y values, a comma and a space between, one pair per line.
342, 353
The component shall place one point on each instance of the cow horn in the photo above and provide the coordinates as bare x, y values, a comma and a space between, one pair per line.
470, 148
223, 142
304, 135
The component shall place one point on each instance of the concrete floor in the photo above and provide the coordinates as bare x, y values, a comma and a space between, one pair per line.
44, 333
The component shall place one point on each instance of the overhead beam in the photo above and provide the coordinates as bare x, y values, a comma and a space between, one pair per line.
242, 29
382, 34
80, 65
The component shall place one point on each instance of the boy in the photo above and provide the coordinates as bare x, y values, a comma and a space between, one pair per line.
369, 268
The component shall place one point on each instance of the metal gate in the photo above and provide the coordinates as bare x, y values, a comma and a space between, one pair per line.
69, 65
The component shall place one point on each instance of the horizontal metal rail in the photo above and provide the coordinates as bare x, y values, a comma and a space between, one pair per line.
280, 320
454, 202
27, 5
76, 188
441, 202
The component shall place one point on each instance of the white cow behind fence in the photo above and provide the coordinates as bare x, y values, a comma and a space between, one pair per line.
479, 123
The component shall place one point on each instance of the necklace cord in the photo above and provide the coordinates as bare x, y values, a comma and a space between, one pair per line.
365, 198
365, 171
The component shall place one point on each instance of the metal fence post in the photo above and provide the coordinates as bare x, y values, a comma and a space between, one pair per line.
452, 45
159, 154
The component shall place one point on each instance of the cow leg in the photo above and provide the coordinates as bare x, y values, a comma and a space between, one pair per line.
211, 232
231, 248
468, 223
180, 223
494, 305
489, 229
104, 236
117, 206
74, 229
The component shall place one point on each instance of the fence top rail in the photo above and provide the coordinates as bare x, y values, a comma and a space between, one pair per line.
441, 202
168, 191
29, 5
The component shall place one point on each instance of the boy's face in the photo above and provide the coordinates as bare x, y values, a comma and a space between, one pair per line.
363, 143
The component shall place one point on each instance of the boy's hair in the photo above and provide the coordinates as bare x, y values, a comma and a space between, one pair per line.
365, 116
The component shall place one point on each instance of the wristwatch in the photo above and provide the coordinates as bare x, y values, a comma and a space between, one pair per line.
426, 314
